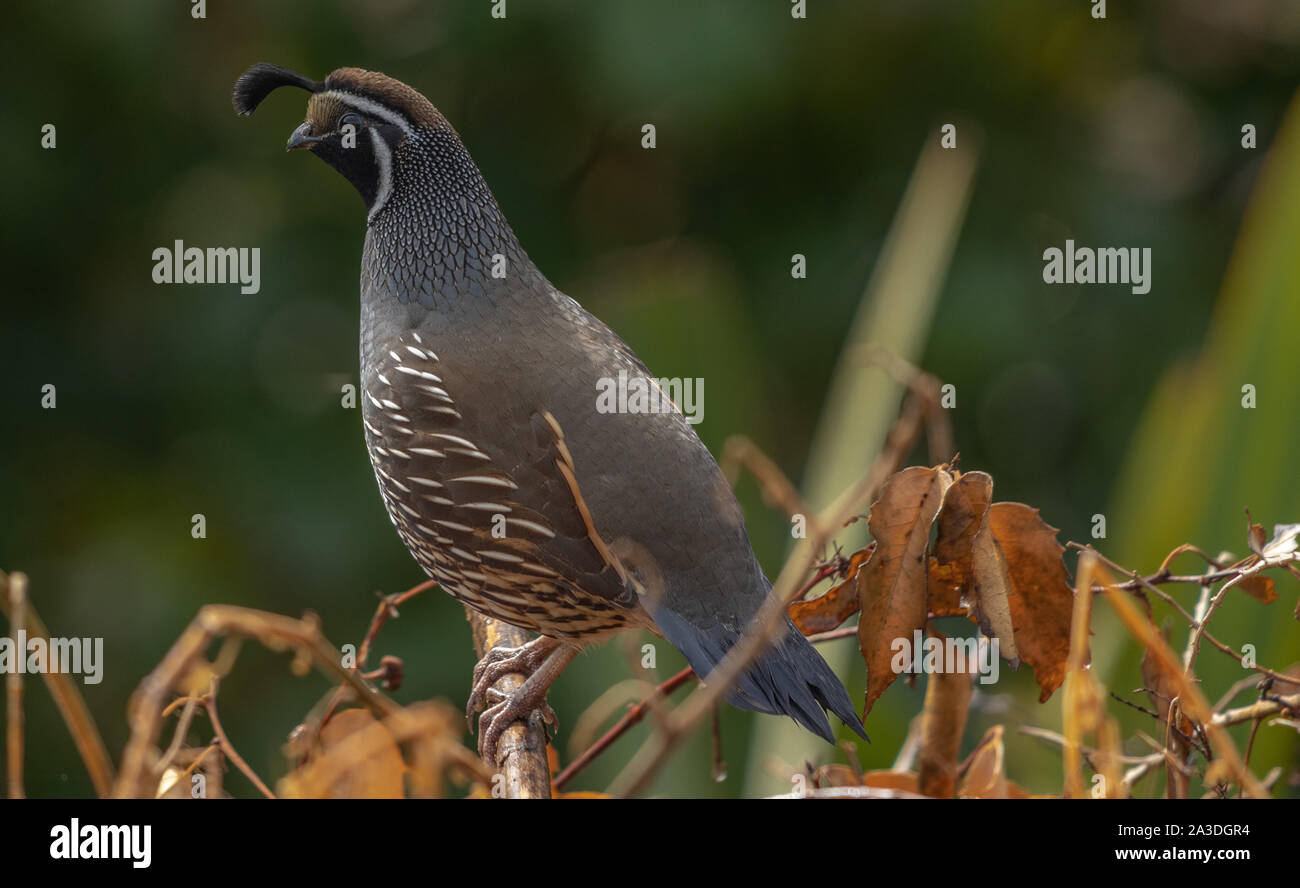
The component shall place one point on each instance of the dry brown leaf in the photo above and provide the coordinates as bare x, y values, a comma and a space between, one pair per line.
904, 780
892, 584
375, 775
1039, 596
829, 611
960, 518
835, 775
1254, 534
828, 776
992, 588
1259, 587
986, 776
1287, 688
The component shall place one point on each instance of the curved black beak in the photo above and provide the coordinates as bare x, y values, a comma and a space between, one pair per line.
301, 138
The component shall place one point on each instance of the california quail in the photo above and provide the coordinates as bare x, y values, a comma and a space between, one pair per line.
506, 483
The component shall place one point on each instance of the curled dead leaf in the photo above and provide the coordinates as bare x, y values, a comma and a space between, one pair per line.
960, 518
1039, 594
985, 773
829, 611
892, 584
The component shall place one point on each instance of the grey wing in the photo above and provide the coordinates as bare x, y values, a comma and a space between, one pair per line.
481, 488
655, 491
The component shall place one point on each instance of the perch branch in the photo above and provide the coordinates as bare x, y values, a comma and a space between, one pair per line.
524, 763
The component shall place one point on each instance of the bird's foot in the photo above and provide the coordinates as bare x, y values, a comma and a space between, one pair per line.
500, 662
506, 709
541, 660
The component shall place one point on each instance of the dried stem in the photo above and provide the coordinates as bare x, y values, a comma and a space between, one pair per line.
226, 746
14, 686
1151, 583
1193, 703
740, 452
183, 668
72, 706
633, 717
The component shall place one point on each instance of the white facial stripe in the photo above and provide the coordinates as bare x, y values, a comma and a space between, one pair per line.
384, 184
374, 109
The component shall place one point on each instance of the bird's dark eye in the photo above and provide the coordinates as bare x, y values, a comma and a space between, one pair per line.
353, 120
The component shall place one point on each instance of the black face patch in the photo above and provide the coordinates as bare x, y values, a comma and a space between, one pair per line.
359, 163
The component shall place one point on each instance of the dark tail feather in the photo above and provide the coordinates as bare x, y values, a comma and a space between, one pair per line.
790, 678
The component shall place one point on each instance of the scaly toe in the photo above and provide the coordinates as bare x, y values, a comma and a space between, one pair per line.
503, 711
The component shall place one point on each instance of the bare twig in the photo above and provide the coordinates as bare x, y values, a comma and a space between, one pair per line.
227, 747
835, 634
740, 452
1256, 711
71, 704
1193, 703
633, 716
1151, 584
938, 432
183, 667
387, 608
182, 728
14, 685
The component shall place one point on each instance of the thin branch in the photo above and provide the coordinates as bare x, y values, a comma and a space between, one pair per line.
1194, 704
926, 386
1150, 583
387, 608
621, 727
71, 704
182, 728
740, 452
182, 666
835, 634
14, 685
1255, 711
226, 746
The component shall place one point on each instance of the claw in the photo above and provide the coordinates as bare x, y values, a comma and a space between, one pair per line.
500, 662
540, 661
508, 709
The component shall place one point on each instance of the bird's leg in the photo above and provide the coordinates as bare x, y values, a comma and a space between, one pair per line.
500, 662
505, 709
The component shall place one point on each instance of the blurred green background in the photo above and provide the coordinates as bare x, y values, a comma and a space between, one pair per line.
775, 136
